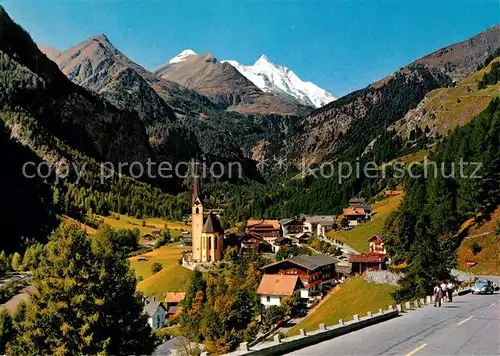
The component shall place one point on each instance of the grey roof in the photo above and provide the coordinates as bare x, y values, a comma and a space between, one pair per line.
212, 225
313, 262
357, 200
317, 218
151, 305
167, 347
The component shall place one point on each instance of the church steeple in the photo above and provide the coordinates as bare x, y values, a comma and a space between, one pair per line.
196, 184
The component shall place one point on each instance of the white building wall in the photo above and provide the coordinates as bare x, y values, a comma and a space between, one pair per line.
273, 300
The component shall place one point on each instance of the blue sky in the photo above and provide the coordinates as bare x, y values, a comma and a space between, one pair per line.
339, 45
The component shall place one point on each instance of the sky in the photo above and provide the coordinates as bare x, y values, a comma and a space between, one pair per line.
339, 45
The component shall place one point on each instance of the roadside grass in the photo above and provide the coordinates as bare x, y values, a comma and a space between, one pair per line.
358, 237
352, 297
172, 278
487, 259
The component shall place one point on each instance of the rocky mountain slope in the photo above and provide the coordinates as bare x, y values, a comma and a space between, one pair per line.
32, 83
283, 82
224, 85
349, 124
460, 59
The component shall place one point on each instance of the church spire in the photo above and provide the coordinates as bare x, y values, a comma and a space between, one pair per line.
196, 183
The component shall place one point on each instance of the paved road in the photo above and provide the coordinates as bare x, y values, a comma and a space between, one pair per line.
468, 326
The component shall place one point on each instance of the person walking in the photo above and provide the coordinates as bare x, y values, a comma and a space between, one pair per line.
443, 290
438, 295
449, 290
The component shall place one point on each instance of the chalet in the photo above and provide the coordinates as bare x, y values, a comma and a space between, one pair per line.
360, 263
391, 193
291, 227
268, 229
354, 215
156, 232
281, 242
148, 237
313, 271
311, 222
360, 203
247, 241
155, 311
301, 238
323, 227
376, 245
273, 288
173, 302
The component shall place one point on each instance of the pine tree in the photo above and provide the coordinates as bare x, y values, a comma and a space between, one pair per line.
84, 300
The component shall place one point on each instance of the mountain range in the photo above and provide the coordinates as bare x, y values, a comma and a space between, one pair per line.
91, 103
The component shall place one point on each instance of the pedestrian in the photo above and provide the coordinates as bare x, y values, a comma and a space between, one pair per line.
449, 290
443, 290
438, 294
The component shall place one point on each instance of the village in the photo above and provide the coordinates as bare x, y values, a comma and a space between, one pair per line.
299, 271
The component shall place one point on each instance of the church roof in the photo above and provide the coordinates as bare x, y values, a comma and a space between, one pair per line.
212, 225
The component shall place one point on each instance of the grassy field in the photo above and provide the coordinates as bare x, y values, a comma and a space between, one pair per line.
357, 237
172, 278
129, 222
353, 297
487, 259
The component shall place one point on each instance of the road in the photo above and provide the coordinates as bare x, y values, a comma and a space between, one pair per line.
468, 326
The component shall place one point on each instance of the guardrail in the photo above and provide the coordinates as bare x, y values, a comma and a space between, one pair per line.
282, 346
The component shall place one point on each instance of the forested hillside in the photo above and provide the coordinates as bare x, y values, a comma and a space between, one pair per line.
422, 231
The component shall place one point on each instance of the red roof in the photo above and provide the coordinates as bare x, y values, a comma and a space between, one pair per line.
354, 212
376, 238
366, 258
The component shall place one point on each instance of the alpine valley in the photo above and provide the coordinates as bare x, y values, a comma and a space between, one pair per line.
91, 103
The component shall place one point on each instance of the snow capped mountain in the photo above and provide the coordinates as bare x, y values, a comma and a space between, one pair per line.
283, 82
182, 56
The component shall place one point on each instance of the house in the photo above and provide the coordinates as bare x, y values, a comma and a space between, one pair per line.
291, 227
187, 241
301, 238
391, 193
314, 271
281, 242
173, 302
376, 245
148, 237
156, 312
354, 215
360, 263
247, 241
323, 227
360, 203
273, 288
156, 232
311, 222
270, 230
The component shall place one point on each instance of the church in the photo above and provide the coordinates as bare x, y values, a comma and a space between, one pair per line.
207, 235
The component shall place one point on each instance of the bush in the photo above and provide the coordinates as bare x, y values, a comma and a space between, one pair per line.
156, 267
475, 248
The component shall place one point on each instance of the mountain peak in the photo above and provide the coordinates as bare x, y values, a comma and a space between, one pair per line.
262, 60
100, 37
283, 82
182, 56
